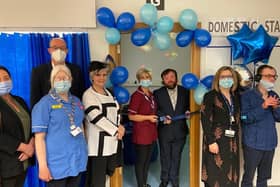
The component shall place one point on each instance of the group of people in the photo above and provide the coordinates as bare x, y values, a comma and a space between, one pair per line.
227, 111
73, 130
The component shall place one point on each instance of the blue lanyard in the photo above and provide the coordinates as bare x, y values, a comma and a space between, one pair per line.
229, 106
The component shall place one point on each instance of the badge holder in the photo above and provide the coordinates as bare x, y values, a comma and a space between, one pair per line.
229, 132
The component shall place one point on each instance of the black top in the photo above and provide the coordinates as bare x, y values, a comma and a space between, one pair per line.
11, 135
40, 82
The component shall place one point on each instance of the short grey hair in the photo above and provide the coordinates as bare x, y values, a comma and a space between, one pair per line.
58, 68
142, 71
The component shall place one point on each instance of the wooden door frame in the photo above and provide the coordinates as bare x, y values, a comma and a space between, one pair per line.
194, 155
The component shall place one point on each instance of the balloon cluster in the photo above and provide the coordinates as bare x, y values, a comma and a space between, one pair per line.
188, 20
118, 76
190, 81
252, 46
125, 22
158, 29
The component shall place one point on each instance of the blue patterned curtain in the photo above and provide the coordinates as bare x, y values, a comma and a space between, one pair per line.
20, 52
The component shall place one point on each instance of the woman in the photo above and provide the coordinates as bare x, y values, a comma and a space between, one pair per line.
16, 142
220, 117
59, 140
142, 111
102, 125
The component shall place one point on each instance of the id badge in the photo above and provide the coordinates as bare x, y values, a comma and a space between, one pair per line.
76, 131
229, 133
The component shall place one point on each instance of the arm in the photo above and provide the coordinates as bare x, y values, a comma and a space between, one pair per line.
95, 115
40, 145
252, 109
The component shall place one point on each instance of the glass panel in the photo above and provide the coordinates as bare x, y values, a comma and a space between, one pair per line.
133, 57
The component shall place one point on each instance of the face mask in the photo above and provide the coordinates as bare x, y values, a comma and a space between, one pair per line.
146, 83
5, 87
226, 82
62, 86
59, 55
267, 85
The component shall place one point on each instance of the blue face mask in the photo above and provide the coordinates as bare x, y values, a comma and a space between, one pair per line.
267, 85
5, 87
226, 82
62, 86
145, 83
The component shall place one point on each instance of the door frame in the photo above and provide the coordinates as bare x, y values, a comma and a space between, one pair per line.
194, 154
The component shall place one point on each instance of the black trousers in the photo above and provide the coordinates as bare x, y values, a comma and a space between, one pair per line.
256, 160
143, 158
98, 168
15, 181
170, 158
66, 182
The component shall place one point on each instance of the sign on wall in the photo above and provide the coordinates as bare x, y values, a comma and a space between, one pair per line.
159, 4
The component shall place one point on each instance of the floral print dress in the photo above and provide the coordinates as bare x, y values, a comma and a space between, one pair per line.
222, 169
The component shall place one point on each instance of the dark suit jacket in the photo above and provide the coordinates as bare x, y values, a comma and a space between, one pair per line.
177, 129
40, 82
11, 135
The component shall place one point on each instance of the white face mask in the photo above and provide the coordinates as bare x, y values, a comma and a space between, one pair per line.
59, 55
267, 85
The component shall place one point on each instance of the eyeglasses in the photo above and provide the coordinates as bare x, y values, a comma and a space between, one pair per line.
225, 76
270, 76
59, 47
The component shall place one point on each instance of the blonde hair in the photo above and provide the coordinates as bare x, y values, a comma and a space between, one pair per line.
215, 84
142, 71
56, 69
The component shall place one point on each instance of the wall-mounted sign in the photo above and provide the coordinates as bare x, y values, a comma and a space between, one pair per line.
159, 4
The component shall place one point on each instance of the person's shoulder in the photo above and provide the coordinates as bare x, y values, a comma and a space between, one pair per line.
159, 90
211, 94
18, 98
72, 66
87, 93
42, 67
248, 92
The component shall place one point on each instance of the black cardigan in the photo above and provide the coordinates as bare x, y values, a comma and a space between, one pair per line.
11, 135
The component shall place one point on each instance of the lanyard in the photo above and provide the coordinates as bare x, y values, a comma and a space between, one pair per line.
71, 113
151, 101
230, 108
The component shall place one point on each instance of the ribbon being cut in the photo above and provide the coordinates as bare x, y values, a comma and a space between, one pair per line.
186, 115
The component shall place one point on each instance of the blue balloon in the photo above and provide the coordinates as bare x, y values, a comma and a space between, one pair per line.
112, 36
162, 41
235, 41
165, 24
105, 17
148, 14
125, 21
119, 75
122, 95
184, 38
207, 81
202, 37
189, 81
258, 46
141, 36
199, 93
188, 19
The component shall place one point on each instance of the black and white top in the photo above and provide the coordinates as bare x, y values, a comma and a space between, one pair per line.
101, 122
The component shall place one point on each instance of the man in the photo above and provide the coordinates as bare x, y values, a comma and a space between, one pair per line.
40, 79
172, 100
259, 113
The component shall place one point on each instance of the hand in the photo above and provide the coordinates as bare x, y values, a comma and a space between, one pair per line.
188, 114
214, 148
28, 149
22, 157
153, 118
44, 174
270, 101
167, 120
121, 131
